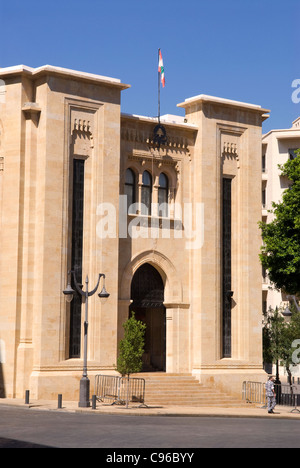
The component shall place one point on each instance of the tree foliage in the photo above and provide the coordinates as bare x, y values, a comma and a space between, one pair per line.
272, 333
281, 251
131, 347
280, 338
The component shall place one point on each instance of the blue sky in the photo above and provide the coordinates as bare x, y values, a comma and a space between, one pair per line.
236, 49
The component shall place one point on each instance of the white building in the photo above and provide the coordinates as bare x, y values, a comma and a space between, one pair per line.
278, 146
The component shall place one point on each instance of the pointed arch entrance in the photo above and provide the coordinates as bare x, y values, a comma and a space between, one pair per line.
147, 296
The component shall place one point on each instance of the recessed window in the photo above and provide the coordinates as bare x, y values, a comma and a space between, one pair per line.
77, 256
146, 194
264, 198
163, 195
130, 189
292, 154
263, 163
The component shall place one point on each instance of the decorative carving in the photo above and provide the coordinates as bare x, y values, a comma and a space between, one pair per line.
82, 126
82, 132
230, 150
158, 137
143, 157
1, 163
230, 147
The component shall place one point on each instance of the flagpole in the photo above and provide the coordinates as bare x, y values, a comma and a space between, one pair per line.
160, 135
158, 89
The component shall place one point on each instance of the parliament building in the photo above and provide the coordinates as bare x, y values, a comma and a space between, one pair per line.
167, 209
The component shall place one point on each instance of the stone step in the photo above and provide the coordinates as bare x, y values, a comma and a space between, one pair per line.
179, 402
159, 375
183, 390
170, 388
198, 405
188, 396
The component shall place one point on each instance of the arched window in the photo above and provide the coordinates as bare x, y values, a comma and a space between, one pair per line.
130, 190
146, 193
163, 195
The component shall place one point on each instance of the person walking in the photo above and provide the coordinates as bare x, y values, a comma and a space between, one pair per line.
271, 395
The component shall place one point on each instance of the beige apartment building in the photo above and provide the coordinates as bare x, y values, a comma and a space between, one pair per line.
278, 146
167, 211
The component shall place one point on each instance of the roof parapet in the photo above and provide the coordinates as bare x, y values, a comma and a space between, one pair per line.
222, 101
63, 72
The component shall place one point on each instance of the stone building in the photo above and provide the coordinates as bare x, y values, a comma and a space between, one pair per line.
181, 250
278, 146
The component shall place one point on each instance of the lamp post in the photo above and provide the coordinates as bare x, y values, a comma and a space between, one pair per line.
293, 298
84, 398
287, 314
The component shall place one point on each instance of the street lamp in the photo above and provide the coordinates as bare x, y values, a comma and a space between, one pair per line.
84, 398
287, 314
293, 298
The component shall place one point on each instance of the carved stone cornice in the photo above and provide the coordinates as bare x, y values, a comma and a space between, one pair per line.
31, 108
32, 111
159, 158
140, 135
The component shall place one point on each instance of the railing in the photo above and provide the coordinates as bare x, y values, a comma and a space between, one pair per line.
120, 390
107, 388
286, 395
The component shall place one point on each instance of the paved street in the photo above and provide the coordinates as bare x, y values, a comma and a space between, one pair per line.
24, 427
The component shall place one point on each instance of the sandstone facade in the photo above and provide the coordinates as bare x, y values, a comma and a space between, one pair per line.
50, 117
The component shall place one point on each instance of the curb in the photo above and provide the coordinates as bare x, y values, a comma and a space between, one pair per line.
205, 412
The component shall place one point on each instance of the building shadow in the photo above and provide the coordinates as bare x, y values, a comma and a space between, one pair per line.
2, 384
13, 443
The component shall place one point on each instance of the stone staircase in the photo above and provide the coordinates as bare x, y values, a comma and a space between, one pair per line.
183, 390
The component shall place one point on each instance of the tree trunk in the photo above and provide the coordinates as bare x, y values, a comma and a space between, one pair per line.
290, 382
127, 397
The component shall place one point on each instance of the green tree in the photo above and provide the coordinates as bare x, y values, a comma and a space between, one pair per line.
131, 347
281, 250
291, 333
280, 338
272, 336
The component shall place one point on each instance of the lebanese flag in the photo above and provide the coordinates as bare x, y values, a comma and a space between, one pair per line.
161, 69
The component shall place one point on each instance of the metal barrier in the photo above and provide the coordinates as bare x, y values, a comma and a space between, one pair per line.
107, 387
254, 392
120, 389
135, 388
286, 395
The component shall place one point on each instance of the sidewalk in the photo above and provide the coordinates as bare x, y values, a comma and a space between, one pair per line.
252, 411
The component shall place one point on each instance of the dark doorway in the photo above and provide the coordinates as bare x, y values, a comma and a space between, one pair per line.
147, 294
